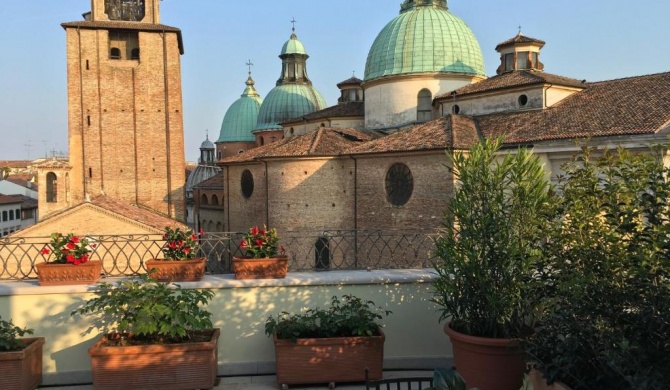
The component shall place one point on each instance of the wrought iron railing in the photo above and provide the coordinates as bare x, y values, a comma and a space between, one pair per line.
307, 250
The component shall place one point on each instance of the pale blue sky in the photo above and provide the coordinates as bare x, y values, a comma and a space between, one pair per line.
586, 39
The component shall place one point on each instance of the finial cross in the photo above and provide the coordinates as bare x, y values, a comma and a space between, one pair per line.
249, 64
293, 22
519, 29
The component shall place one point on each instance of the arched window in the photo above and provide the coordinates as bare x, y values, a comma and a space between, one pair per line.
115, 53
247, 184
215, 200
135, 54
4, 216
219, 227
261, 140
219, 155
52, 189
203, 200
424, 106
11, 215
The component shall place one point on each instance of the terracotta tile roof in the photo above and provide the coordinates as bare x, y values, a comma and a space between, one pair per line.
350, 81
15, 163
453, 131
515, 79
135, 213
213, 182
629, 106
346, 109
10, 199
122, 25
520, 38
324, 141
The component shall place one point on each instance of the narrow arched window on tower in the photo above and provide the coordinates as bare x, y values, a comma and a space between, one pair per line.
135, 54
424, 106
52, 189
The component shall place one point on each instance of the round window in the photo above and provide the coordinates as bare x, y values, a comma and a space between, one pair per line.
247, 184
399, 184
523, 100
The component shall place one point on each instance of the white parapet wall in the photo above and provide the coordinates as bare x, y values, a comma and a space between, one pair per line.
414, 337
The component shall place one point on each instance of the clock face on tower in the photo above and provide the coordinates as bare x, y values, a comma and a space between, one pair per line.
128, 10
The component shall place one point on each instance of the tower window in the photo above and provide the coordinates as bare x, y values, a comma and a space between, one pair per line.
52, 189
455, 109
124, 45
424, 106
115, 53
509, 61
522, 60
203, 200
128, 10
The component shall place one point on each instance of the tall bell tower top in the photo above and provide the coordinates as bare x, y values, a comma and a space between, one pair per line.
142, 11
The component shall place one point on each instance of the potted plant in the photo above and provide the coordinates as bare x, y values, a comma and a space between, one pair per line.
329, 345
264, 258
20, 358
70, 262
156, 336
487, 255
606, 319
181, 262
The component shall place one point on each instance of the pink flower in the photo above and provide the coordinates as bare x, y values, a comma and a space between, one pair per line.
243, 244
254, 230
259, 242
45, 251
70, 258
75, 240
201, 232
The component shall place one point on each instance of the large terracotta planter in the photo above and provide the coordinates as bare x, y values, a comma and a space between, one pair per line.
22, 370
165, 366
486, 363
51, 274
177, 270
269, 268
329, 360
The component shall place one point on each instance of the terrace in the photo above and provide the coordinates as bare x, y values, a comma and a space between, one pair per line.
391, 268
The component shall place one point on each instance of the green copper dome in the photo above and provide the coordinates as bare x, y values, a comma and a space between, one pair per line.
425, 37
240, 119
288, 101
293, 46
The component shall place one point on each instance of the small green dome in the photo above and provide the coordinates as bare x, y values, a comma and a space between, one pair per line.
293, 46
288, 101
241, 117
425, 37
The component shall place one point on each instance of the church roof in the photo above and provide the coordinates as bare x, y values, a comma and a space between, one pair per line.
342, 110
350, 81
628, 106
122, 25
520, 38
293, 46
214, 182
10, 199
324, 141
425, 37
453, 131
515, 79
241, 117
288, 101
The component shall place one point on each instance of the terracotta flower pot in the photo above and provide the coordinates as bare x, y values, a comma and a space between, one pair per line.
268, 268
487, 363
22, 370
329, 360
177, 270
166, 366
51, 274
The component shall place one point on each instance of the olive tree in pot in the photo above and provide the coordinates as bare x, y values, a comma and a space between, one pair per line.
20, 358
329, 345
606, 322
487, 256
156, 335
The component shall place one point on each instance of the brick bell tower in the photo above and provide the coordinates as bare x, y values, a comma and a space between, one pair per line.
125, 124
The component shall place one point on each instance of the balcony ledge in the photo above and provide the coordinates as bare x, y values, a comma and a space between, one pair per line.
228, 281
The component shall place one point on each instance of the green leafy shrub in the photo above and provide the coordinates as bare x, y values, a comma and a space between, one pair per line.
606, 323
350, 316
150, 311
491, 243
10, 336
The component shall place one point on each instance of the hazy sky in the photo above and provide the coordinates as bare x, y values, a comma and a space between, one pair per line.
586, 39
